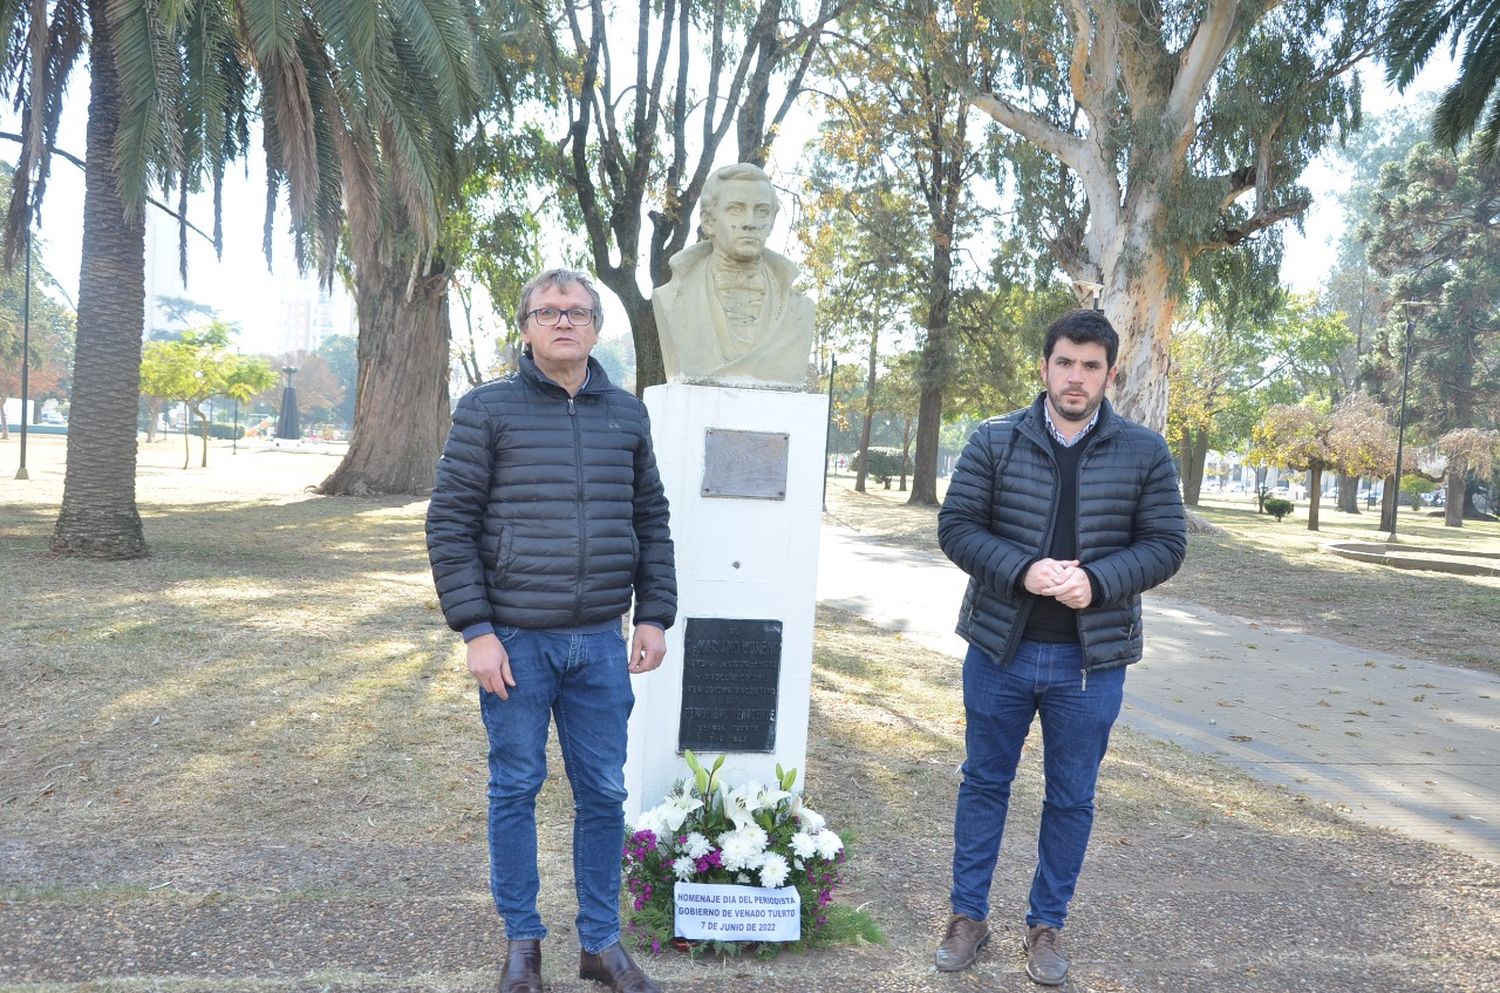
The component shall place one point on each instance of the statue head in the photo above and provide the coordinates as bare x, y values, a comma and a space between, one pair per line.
738, 207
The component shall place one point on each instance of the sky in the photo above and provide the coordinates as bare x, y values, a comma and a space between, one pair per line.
243, 290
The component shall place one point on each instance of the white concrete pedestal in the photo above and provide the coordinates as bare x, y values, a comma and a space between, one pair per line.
736, 558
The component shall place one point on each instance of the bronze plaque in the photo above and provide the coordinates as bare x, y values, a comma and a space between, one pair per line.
749, 465
731, 669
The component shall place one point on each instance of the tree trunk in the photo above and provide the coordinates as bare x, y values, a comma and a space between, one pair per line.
1453, 498
1140, 305
203, 433
98, 517
933, 372
1389, 500
1193, 450
1314, 494
187, 439
864, 432
650, 370
1348, 493
153, 415
4, 422
401, 412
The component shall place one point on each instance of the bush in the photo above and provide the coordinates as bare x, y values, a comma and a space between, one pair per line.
1278, 507
884, 464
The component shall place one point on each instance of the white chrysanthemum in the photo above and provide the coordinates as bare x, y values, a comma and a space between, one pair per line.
697, 845
742, 878
650, 820
683, 868
804, 845
774, 870
829, 844
744, 847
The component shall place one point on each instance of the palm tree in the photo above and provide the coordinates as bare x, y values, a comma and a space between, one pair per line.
1415, 29
357, 101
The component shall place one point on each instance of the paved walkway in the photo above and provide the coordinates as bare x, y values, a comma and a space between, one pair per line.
1409, 745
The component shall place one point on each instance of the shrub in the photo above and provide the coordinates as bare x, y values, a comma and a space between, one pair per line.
1278, 507
885, 463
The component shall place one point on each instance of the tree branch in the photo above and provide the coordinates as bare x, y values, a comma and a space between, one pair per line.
179, 217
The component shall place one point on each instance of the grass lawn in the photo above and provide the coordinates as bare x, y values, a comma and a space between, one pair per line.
253, 761
1279, 573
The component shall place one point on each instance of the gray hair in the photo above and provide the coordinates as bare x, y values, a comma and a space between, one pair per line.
560, 279
709, 198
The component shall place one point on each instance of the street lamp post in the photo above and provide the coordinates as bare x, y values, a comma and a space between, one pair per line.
1410, 307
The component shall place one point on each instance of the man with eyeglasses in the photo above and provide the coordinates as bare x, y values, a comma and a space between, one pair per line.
546, 516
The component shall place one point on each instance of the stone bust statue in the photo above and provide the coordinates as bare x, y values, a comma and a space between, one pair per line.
729, 313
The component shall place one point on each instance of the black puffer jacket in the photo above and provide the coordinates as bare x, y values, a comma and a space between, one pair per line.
548, 509
1000, 510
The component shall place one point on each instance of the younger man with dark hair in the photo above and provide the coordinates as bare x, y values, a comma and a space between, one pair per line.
1062, 514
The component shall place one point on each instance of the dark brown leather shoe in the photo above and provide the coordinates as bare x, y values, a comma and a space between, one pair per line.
961, 944
1044, 958
614, 968
523, 967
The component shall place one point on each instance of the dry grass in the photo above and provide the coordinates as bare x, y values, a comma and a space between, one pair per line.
1279, 574
260, 742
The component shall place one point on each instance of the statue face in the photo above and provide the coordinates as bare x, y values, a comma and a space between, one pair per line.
740, 222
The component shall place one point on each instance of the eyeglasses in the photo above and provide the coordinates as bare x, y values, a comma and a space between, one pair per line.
551, 316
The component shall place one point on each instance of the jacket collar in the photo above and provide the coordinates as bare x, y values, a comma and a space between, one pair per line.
1034, 422
597, 382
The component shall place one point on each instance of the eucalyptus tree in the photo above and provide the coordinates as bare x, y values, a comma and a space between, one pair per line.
1416, 29
894, 105
1436, 236
1145, 136
642, 136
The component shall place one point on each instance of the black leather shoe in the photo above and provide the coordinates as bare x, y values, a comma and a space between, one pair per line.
961, 944
614, 968
523, 967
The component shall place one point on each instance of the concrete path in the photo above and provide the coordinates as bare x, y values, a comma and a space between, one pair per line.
1409, 745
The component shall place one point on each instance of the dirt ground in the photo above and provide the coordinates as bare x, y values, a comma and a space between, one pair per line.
253, 762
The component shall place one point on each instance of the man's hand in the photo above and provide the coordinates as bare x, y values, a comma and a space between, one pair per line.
1045, 575
1074, 590
490, 665
647, 648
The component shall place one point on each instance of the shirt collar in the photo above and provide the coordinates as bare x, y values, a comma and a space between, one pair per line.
1058, 436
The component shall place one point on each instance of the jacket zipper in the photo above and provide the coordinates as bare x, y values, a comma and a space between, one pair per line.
582, 543
1025, 613
1077, 531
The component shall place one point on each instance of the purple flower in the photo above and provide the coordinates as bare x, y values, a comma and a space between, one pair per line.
824, 898
655, 946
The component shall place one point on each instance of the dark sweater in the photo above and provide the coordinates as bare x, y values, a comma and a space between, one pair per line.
1050, 620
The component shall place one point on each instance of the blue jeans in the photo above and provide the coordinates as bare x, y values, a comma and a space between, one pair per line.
1077, 715
583, 681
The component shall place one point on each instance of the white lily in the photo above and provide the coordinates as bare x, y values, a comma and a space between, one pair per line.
812, 822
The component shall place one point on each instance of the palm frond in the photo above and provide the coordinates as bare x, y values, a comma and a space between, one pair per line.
148, 68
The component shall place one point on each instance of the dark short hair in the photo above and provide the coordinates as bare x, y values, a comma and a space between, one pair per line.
560, 279
1083, 327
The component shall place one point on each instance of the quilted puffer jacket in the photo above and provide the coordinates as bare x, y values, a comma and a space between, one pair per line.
998, 515
548, 510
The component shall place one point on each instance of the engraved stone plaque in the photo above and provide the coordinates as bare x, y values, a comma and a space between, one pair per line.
730, 671
750, 465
